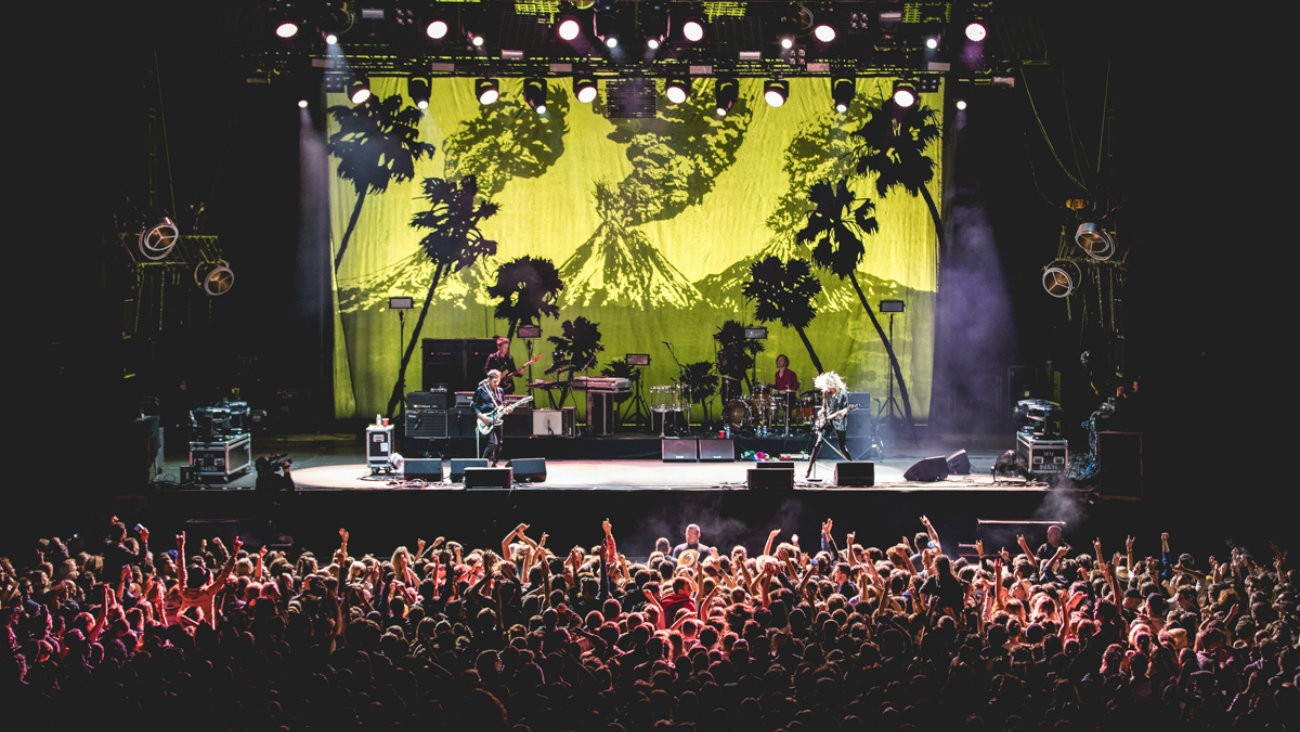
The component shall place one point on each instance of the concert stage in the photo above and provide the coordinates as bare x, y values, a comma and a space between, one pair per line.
625, 478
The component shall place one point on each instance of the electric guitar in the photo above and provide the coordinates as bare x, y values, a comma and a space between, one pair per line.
498, 414
508, 377
822, 418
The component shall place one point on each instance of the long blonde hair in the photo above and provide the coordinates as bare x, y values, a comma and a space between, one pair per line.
829, 379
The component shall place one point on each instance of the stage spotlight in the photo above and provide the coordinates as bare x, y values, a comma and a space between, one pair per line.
693, 30
677, 89
961, 105
336, 19
904, 94
584, 88
359, 90
824, 32
157, 240
1061, 277
843, 89
437, 29
535, 94
568, 28
487, 90
776, 91
726, 91
417, 88
1095, 241
976, 32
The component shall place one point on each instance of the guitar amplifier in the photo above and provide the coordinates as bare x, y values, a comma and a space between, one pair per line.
424, 422
518, 423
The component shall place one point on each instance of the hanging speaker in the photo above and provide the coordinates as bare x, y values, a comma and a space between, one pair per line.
928, 469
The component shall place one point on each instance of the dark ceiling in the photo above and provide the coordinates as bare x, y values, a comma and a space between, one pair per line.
875, 38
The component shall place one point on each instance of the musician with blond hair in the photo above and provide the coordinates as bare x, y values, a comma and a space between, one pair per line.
831, 414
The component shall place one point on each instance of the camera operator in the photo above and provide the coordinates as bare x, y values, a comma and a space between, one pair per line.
273, 474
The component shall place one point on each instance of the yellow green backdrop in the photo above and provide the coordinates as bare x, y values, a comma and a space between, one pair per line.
652, 223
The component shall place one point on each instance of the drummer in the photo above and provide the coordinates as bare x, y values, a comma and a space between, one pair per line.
785, 380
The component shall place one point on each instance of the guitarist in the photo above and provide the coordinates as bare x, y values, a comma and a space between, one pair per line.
502, 361
830, 416
489, 400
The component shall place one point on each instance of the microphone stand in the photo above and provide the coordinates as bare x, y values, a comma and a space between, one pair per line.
818, 444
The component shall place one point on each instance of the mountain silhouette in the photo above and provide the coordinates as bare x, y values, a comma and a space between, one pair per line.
618, 266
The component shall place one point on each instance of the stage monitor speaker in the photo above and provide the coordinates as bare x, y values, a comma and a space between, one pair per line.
422, 469
928, 470
958, 463
460, 465
679, 450
715, 450
770, 480
488, 478
775, 465
529, 470
851, 473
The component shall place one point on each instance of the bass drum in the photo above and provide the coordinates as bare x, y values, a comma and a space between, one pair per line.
736, 414
805, 407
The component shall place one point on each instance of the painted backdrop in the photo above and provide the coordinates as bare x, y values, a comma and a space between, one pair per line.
675, 228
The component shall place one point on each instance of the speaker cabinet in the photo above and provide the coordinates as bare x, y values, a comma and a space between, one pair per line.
460, 465
488, 478
435, 398
518, 423
422, 469
958, 463
679, 451
928, 470
715, 450
771, 480
855, 473
529, 470
426, 422
553, 422
775, 465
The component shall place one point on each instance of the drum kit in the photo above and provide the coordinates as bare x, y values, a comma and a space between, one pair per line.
674, 399
767, 411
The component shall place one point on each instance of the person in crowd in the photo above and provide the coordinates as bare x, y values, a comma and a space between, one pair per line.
692, 542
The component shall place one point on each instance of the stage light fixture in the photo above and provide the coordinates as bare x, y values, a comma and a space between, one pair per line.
843, 89
417, 88
824, 32
976, 31
585, 89
693, 30
1095, 240
487, 90
904, 94
961, 105
568, 28
214, 278
437, 29
726, 90
335, 19
776, 91
157, 240
677, 89
535, 94
359, 90
1061, 277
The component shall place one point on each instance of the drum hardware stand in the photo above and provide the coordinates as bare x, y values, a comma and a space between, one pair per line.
637, 409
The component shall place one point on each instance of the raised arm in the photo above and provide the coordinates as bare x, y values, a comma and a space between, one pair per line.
505, 541
933, 532
771, 537
182, 563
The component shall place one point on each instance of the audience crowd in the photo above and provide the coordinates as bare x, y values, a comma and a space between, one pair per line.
907, 634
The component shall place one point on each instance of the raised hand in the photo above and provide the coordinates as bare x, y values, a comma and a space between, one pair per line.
826, 526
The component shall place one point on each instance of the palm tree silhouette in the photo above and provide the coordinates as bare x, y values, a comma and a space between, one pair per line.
377, 144
528, 289
835, 231
894, 147
702, 383
509, 141
785, 292
735, 357
453, 243
579, 343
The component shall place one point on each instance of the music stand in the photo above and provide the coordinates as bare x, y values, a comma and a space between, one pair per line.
890, 404
401, 305
638, 408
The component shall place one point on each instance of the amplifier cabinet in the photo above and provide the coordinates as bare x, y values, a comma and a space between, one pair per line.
554, 422
221, 460
426, 422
